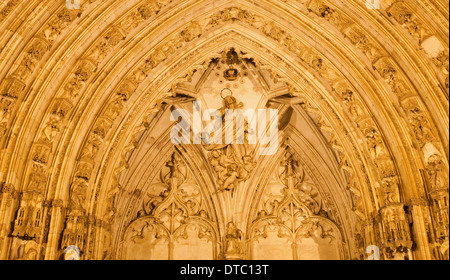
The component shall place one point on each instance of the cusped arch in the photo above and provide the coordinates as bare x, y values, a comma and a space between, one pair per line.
308, 73
232, 44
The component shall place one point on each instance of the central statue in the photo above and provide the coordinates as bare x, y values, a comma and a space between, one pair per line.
233, 162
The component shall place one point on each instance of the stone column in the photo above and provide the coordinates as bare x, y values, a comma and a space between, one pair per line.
8, 197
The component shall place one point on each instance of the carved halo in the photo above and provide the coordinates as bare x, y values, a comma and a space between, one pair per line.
221, 93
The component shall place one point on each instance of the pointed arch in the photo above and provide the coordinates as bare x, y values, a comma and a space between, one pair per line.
77, 88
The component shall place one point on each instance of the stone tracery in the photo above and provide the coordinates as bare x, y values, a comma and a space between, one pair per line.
383, 186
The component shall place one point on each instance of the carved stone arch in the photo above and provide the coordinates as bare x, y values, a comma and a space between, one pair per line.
293, 220
204, 175
340, 211
339, 181
207, 231
136, 231
343, 174
234, 44
182, 217
322, 230
145, 166
352, 197
374, 82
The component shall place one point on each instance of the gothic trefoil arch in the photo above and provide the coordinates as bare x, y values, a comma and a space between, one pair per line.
88, 97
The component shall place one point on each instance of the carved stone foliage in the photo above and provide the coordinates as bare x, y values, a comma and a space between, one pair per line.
28, 250
386, 67
397, 242
229, 174
40, 45
11, 91
28, 223
58, 23
292, 219
172, 219
7, 9
404, 15
364, 43
408, 20
173, 216
431, 45
439, 194
269, 28
34, 54
75, 232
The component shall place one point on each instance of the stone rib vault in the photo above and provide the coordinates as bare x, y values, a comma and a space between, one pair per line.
86, 157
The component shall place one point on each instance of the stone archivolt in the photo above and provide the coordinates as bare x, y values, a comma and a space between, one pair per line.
76, 109
172, 213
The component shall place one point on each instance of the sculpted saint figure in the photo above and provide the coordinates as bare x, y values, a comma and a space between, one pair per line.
233, 242
232, 162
